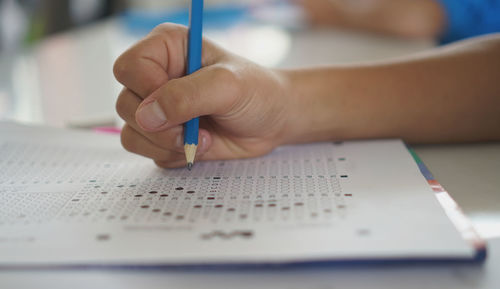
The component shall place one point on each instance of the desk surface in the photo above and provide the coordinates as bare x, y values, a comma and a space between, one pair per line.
469, 172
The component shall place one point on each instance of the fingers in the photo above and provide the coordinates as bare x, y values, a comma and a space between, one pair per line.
127, 104
214, 90
135, 142
157, 58
142, 67
156, 100
171, 139
167, 147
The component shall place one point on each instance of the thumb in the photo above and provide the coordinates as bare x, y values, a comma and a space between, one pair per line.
212, 90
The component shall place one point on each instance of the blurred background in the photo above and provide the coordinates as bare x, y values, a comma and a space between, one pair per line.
27, 21
56, 56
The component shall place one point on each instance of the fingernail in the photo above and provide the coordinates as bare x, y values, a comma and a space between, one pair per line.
203, 143
151, 116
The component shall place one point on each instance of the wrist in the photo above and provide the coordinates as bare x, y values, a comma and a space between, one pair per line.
312, 105
334, 103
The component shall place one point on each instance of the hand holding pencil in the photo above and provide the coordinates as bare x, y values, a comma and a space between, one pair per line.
241, 106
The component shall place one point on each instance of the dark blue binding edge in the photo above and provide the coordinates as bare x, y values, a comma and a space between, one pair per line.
256, 266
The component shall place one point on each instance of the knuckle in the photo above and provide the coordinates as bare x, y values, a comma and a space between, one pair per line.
120, 68
169, 27
122, 105
161, 164
231, 80
230, 77
177, 101
225, 73
166, 164
127, 139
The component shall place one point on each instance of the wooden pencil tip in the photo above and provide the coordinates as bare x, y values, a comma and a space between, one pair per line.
190, 150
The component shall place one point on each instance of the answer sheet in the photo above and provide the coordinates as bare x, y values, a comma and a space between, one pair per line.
78, 198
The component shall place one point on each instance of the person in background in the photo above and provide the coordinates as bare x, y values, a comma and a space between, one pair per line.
444, 20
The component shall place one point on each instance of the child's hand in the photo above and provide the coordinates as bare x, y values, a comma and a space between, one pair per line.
243, 108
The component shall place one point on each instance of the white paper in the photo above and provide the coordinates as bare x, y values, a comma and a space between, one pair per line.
77, 198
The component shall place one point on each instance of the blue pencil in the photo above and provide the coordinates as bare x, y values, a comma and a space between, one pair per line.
193, 64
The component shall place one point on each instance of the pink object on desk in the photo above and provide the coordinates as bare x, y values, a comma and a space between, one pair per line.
108, 130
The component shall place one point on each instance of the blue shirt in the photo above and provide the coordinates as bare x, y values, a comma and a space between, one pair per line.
467, 18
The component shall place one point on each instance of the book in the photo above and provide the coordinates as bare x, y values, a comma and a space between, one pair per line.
77, 198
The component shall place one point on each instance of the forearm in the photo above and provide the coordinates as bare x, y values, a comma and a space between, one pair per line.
408, 18
450, 94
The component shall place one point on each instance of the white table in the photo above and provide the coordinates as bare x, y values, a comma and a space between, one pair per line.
73, 71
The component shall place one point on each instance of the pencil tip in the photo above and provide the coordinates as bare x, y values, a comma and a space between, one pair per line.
190, 166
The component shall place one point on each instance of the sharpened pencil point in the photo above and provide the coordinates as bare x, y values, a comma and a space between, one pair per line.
190, 150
